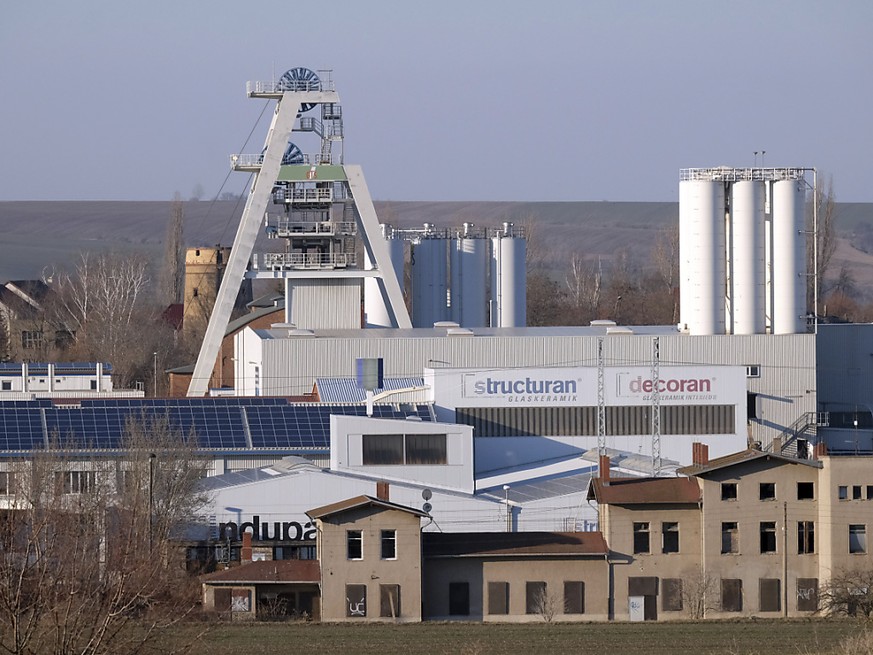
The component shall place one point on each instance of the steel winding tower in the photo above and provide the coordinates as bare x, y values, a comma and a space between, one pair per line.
323, 206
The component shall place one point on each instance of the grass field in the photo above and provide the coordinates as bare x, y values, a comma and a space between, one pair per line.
734, 638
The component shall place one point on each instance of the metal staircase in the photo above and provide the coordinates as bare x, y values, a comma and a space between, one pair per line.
796, 439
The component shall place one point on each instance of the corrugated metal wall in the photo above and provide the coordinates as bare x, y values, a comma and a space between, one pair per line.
786, 385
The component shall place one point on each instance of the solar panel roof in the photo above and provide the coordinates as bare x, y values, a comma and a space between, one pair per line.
253, 423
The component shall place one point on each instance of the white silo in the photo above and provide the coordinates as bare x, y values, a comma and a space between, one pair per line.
508, 278
789, 257
702, 256
429, 279
376, 312
469, 263
748, 258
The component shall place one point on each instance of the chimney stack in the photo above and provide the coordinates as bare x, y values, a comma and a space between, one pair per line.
245, 553
603, 471
821, 449
382, 490
699, 453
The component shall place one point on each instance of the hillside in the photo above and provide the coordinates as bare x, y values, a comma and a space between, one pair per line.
38, 236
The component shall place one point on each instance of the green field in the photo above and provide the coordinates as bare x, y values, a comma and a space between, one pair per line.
735, 638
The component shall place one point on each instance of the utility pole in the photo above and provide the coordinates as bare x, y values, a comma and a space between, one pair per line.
785, 558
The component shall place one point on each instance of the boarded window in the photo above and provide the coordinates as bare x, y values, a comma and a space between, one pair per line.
730, 538
356, 600
805, 537
241, 600
642, 586
731, 595
641, 538
769, 596
459, 599
768, 536
671, 594
858, 538
389, 600
807, 594
574, 597
498, 598
222, 599
670, 537
535, 599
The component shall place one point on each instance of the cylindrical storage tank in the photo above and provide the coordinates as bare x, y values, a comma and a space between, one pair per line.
702, 256
469, 288
508, 280
789, 257
429, 282
748, 258
376, 312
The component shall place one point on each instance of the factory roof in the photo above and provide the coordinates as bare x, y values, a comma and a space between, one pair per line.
442, 332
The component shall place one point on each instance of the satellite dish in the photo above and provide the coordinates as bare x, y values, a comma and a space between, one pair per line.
427, 494
426, 508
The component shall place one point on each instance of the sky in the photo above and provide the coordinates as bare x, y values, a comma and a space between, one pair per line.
555, 100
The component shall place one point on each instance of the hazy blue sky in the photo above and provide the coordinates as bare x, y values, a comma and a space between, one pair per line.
447, 100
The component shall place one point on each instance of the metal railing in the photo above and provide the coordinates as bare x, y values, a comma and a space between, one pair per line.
289, 85
727, 174
286, 227
285, 261
804, 428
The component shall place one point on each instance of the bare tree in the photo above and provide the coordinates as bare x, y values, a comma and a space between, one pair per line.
699, 593
824, 203
848, 592
103, 302
173, 271
88, 565
585, 283
666, 258
547, 604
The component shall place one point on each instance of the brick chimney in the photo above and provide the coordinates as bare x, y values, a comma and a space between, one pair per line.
603, 469
383, 490
699, 453
821, 449
245, 553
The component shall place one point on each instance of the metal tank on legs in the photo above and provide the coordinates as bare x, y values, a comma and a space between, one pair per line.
428, 261
789, 257
469, 268
508, 278
748, 258
702, 255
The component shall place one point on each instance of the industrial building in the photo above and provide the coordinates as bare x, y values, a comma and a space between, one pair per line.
496, 427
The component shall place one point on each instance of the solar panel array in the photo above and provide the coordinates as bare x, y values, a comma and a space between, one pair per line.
215, 423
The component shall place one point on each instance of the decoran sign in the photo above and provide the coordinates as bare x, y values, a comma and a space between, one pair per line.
266, 531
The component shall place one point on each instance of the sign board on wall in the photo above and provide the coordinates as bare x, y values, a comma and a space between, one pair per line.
626, 385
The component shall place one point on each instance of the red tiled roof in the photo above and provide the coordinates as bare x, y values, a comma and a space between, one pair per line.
359, 501
644, 491
507, 544
274, 571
